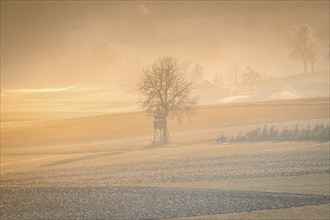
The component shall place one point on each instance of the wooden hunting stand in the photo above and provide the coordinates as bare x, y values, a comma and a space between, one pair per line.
161, 135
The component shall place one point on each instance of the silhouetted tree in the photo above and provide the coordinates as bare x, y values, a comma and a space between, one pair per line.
304, 46
164, 88
251, 79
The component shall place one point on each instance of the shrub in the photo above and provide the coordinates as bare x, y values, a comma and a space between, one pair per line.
222, 139
318, 133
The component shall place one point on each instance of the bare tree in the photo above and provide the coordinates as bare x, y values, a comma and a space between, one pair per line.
164, 88
251, 80
304, 46
314, 53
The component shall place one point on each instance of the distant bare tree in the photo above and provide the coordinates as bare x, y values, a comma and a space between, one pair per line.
304, 46
251, 79
164, 88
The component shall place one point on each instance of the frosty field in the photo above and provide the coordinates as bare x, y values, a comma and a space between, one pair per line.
105, 167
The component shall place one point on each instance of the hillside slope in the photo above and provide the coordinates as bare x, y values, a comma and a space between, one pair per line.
303, 85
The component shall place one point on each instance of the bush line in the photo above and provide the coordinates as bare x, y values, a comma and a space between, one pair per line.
318, 133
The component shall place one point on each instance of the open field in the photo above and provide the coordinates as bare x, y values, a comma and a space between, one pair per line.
105, 167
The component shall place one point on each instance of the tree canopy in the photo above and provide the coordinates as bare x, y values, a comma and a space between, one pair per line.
251, 79
304, 46
164, 87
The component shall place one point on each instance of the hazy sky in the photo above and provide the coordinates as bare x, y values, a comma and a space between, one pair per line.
91, 43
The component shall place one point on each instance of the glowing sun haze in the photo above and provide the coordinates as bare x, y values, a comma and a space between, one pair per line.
51, 47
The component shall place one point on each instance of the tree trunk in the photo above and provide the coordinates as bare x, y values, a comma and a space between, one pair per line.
305, 66
312, 64
165, 134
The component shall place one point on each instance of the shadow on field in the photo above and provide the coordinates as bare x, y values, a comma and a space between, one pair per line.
141, 202
84, 157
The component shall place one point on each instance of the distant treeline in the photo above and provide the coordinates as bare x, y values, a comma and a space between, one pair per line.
318, 133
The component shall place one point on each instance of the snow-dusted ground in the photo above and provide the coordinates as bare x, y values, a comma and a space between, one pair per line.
230, 99
139, 184
141, 202
83, 174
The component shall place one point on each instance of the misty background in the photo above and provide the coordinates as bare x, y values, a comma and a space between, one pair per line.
66, 56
